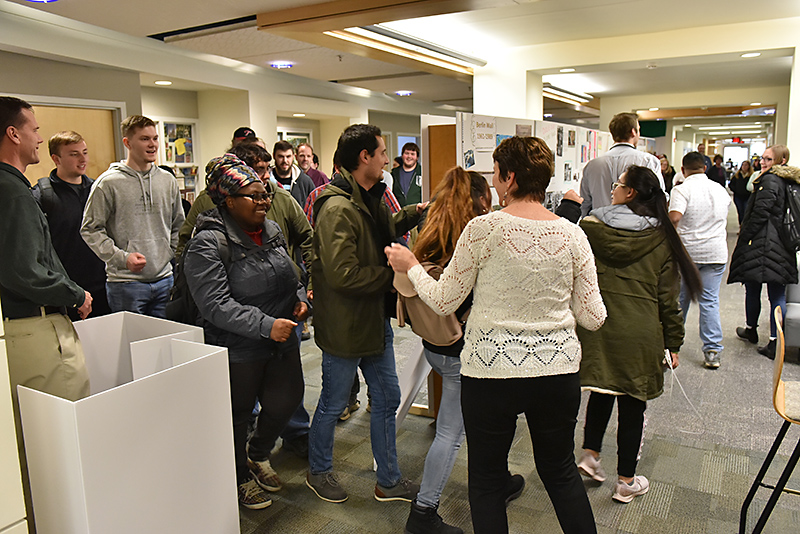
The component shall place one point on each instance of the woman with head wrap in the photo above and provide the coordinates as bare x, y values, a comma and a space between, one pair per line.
248, 294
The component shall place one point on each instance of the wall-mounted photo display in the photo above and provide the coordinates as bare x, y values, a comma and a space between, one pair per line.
178, 143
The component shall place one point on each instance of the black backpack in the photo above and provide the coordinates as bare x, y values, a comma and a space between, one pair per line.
181, 307
790, 225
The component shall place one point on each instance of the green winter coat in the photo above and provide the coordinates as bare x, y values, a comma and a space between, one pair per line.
414, 193
350, 274
639, 284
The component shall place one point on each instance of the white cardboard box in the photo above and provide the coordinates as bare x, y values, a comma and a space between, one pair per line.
150, 450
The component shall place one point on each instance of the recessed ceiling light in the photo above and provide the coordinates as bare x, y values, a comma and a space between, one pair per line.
298, 114
755, 103
548, 115
567, 70
687, 125
42, 1
162, 82
404, 93
282, 65
751, 54
653, 109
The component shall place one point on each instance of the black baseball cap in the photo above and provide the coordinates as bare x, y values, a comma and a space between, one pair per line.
244, 133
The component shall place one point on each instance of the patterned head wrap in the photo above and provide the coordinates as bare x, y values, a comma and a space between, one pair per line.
226, 175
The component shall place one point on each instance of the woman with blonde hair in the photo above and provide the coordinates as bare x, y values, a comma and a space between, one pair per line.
760, 256
533, 278
459, 197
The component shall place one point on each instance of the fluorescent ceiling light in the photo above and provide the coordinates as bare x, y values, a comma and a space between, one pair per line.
652, 109
404, 93
548, 115
401, 44
687, 125
298, 114
755, 103
281, 65
550, 90
567, 70
751, 54
162, 82
728, 127
562, 99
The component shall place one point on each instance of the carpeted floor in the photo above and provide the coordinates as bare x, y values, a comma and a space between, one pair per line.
700, 458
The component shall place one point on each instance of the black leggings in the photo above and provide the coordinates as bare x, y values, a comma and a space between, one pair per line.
630, 427
277, 382
550, 404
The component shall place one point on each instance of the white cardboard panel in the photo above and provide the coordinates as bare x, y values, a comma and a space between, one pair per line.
152, 455
19, 528
13, 507
51, 446
411, 379
151, 356
106, 344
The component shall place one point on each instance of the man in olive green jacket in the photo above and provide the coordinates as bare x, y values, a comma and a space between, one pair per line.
352, 294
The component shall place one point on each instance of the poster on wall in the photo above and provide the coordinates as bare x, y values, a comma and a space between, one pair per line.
482, 132
524, 130
560, 141
568, 171
571, 138
179, 144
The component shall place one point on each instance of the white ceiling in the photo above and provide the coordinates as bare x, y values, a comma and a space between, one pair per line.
480, 33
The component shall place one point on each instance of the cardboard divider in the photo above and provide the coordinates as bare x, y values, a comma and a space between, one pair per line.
151, 454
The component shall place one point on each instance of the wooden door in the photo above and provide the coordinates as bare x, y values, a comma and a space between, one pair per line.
97, 126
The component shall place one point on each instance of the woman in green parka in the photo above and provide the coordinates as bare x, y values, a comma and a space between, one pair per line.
639, 257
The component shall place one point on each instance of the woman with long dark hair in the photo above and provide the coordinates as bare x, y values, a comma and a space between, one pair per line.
639, 257
738, 186
459, 197
533, 278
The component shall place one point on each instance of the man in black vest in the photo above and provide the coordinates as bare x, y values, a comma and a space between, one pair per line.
62, 197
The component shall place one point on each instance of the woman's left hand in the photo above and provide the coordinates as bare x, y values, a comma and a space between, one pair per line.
300, 312
401, 259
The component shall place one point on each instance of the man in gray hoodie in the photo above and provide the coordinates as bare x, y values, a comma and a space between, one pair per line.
131, 222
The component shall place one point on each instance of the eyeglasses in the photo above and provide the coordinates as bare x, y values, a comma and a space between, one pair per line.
615, 185
256, 197
766, 158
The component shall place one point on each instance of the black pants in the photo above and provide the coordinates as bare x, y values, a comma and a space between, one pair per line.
630, 427
550, 403
278, 383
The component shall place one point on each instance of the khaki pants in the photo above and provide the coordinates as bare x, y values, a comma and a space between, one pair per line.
44, 353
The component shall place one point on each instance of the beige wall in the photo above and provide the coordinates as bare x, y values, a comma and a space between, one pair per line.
303, 125
221, 112
26, 75
169, 103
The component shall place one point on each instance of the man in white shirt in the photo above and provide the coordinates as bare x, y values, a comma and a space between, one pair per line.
699, 209
601, 172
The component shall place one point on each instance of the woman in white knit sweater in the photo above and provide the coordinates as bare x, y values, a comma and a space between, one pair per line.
533, 277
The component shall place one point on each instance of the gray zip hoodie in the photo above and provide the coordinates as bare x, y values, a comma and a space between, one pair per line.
130, 211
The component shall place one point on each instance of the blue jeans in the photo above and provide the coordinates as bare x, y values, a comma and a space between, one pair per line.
449, 430
144, 298
710, 324
752, 303
337, 380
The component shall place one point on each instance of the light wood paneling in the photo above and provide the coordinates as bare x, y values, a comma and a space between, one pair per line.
442, 150
95, 125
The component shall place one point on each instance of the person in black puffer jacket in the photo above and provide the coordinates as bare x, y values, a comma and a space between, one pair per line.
760, 256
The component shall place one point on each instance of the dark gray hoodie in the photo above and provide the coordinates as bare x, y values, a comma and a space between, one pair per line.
130, 211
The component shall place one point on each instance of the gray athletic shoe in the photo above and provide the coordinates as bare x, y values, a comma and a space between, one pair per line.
326, 487
711, 358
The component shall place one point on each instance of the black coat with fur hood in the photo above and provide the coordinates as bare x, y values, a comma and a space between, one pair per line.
760, 255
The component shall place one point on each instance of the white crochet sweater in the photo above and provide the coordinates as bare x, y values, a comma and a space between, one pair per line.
532, 280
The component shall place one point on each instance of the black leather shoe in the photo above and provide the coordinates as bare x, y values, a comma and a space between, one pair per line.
749, 334
768, 350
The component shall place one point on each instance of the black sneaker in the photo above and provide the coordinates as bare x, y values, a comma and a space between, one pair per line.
405, 490
424, 520
298, 446
768, 350
749, 334
514, 487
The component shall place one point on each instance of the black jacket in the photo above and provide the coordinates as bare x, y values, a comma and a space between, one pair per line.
31, 275
240, 303
63, 206
760, 255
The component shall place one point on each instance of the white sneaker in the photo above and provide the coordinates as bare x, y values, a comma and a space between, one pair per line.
590, 467
624, 492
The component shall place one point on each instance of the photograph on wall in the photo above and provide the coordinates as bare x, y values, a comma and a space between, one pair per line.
469, 159
178, 138
295, 138
524, 130
560, 142
568, 171
501, 137
571, 138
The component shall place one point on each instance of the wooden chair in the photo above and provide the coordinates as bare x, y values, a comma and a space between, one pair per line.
786, 399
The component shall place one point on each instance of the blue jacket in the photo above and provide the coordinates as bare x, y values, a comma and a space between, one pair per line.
240, 299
